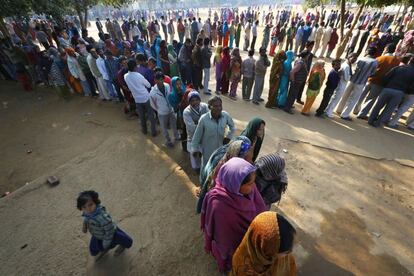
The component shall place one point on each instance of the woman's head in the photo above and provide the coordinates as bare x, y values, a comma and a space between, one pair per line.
319, 64
177, 85
236, 173
87, 201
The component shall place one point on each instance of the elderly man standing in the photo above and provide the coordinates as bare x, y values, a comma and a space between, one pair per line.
210, 132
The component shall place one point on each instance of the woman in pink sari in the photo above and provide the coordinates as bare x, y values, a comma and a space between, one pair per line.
228, 209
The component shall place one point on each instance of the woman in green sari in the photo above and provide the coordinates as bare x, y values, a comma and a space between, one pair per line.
172, 56
237, 36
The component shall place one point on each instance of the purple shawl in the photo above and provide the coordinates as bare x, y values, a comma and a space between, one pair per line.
227, 214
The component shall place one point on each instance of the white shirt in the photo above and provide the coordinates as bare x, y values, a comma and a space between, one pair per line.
345, 73
100, 62
138, 86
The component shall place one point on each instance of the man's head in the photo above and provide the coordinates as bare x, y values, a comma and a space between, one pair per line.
152, 63
390, 48
215, 105
123, 61
251, 52
159, 78
141, 59
94, 53
262, 51
206, 41
131, 65
199, 41
371, 51
336, 64
352, 58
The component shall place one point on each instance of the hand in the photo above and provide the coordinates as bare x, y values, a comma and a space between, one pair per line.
226, 141
197, 154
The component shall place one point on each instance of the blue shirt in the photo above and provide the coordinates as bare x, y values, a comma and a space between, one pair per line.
333, 80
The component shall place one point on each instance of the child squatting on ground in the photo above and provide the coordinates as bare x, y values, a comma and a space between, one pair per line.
105, 233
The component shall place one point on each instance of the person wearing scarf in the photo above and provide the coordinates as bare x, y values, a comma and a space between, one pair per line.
274, 78
155, 50
238, 34
226, 34
315, 81
240, 147
178, 100
235, 72
266, 248
255, 131
172, 57
191, 116
217, 61
163, 55
225, 70
76, 71
228, 209
271, 178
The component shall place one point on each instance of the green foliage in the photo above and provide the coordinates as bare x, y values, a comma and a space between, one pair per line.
15, 7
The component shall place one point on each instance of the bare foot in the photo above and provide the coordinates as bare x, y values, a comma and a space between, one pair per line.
119, 250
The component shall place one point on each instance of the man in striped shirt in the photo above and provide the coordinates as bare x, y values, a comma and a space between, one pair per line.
365, 68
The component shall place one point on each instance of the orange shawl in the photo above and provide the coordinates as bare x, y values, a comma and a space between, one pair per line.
257, 254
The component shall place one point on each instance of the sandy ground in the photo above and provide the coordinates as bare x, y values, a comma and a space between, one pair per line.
353, 213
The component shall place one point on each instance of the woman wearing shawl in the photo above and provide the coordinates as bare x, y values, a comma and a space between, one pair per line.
266, 248
255, 131
226, 34
220, 33
332, 42
214, 33
235, 72
217, 62
238, 34
56, 75
284, 80
172, 57
155, 50
191, 116
271, 178
175, 98
225, 70
406, 45
315, 81
273, 42
165, 62
374, 38
274, 78
240, 147
228, 210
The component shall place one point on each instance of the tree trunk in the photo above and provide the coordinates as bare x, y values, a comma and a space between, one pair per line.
344, 41
342, 18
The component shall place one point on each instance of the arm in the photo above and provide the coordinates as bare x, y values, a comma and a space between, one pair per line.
295, 69
231, 126
153, 100
146, 83
85, 226
198, 134
73, 69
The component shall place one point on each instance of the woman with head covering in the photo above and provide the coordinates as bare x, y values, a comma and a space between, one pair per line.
238, 34
271, 177
266, 248
191, 116
228, 210
238, 148
315, 81
178, 100
255, 131
226, 34
56, 76
165, 62
155, 50
284, 79
406, 45
274, 78
235, 72
225, 70
217, 63
172, 57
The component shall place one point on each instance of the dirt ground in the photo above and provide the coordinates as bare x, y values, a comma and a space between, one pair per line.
354, 214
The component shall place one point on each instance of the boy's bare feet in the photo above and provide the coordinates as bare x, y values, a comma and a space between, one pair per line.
119, 250
100, 255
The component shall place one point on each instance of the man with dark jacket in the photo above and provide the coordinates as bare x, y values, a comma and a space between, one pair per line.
197, 64
397, 83
206, 64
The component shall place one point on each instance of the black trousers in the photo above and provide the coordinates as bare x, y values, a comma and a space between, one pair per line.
197, 77
294, 88
327, 95
300, 92
253, 43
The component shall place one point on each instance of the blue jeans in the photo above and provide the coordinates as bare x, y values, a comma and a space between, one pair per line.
111, 89
85, 87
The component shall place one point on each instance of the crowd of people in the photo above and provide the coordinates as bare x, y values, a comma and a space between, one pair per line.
159, 78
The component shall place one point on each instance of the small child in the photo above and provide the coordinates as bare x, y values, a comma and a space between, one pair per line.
331, 85
105, 233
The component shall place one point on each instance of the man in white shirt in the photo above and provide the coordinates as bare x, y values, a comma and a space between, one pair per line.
100, 62
159, 102
254, 33
345, 72
247, 29
139, 86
